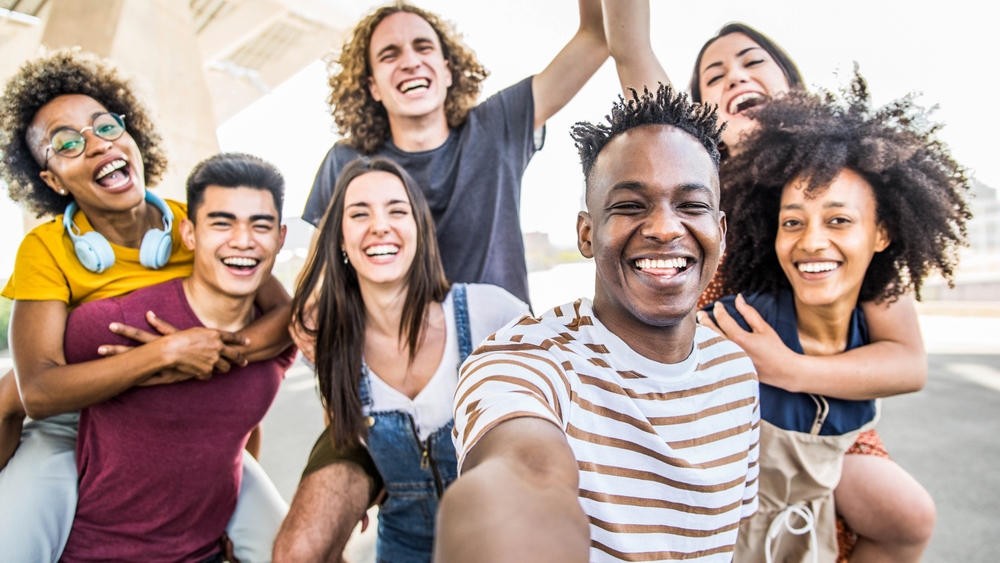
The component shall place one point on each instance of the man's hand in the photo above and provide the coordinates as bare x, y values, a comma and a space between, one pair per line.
765, 348
196, 351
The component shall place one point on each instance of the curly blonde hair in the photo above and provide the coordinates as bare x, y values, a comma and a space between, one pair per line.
41, 80
361, 120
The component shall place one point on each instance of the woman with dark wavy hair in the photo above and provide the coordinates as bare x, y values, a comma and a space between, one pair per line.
835, 204
390, 333
80, 145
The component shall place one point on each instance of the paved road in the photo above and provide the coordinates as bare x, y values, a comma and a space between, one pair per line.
947, 436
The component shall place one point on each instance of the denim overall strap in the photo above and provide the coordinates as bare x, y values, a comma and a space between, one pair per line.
463, 328
415, 472
365, 390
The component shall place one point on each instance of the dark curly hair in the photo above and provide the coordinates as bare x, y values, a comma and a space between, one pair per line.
920, 191
666, 107
361, 120
781, 58
38, 82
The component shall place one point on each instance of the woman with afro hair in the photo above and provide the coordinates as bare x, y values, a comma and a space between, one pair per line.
738, 70
834, 204
78, 144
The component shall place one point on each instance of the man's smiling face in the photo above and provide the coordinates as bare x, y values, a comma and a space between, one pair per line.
235, 240
653, 227
409, 73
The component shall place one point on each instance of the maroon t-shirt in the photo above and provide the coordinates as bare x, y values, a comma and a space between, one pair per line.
160, 466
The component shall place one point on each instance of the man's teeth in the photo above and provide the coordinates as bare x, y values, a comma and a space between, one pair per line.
816, 267
111, 167
413, 84
744, 101
382, 250
647, 263
240, 262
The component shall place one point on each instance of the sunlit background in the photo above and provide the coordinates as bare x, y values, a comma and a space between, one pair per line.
941, 51
246, 75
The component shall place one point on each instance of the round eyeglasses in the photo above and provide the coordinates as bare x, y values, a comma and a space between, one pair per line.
71, 143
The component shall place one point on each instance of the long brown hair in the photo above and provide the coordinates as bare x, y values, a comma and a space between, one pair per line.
361, 120
340, 310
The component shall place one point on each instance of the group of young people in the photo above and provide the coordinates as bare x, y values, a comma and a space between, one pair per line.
149, 338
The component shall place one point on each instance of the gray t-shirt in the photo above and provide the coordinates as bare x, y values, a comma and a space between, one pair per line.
473, 186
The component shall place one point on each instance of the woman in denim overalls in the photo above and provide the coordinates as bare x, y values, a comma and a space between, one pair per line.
842, 204
390, 334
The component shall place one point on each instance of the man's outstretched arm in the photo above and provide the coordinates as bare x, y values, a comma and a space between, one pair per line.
517, 500
627, 29
555, 86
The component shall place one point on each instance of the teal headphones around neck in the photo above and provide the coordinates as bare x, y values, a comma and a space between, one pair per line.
95, 252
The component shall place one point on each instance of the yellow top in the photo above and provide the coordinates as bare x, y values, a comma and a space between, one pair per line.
47, 269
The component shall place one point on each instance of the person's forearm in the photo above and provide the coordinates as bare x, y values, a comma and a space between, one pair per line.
269, 334
54, 389
491, 514
880, 369
573, 66
11, 418
628, 37
517, 499
895, 362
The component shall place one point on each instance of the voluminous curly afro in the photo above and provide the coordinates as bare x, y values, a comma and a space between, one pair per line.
920, 191
361, 120
666, 107
38, 82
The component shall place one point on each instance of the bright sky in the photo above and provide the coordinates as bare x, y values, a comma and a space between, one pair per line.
938, 48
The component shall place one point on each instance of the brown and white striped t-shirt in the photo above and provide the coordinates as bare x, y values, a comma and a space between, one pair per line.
667, 452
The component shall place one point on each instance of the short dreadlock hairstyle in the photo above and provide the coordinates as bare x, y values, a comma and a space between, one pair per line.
666, 107
41, 80
920, 191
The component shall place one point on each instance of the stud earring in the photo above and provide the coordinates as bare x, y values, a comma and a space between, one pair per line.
344, 253
62, 192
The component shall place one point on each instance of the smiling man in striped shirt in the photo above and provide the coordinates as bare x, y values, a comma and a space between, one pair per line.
616, 430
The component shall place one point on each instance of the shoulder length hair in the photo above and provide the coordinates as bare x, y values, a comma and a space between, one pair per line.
329, 291
785, 62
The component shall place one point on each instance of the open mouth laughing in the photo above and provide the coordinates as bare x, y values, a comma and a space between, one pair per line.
666, 268
114, 174
414, 84
382, 250
817, 268
745, 101
241, 264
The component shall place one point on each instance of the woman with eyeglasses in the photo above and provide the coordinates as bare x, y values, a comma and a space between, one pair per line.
78, 144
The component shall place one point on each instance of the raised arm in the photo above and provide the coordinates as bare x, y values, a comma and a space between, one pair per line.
895, 362
48, 386
517, 500
555, 86
626, 23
